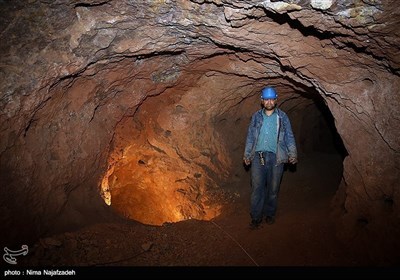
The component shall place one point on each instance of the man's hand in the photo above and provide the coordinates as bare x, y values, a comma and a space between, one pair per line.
246, 161
293, 160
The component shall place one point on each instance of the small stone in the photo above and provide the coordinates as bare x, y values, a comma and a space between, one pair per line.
321, 4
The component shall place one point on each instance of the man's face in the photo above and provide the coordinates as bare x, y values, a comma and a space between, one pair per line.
268, 104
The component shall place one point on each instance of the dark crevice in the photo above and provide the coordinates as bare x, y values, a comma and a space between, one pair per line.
216, 54
231, 48
161, 151
297, 25
33, 119
91, 4
201, 2
158, 53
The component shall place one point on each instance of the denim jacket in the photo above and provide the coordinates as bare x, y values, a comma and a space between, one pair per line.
286, 143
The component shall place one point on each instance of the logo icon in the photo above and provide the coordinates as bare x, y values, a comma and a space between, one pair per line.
10, 254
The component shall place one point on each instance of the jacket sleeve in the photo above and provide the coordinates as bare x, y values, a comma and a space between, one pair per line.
250, 138
289, 138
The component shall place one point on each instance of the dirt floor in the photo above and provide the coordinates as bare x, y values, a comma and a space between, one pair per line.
303, 234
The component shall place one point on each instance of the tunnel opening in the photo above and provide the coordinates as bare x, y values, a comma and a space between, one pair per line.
314, 124
320, 148
178, 155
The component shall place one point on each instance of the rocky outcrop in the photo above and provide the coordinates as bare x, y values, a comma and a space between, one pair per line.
74, 73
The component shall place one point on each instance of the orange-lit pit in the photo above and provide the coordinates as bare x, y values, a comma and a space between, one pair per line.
147, 188
158, 170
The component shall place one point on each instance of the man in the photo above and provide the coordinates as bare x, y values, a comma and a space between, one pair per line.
270, 143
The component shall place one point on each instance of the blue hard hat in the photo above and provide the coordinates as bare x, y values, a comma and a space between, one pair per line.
269, 93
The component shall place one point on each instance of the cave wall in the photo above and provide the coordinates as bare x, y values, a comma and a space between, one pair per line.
166, 161
72, 70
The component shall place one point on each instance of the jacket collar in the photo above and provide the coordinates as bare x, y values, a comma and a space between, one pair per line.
277, 110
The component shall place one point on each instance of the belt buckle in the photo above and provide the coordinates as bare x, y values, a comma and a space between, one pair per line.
260, 154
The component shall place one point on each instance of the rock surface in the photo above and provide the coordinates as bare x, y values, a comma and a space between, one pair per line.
85, 83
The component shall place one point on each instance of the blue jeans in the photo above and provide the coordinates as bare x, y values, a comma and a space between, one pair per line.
265, 182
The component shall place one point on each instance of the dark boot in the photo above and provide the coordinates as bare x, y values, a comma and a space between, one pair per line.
255, 224
270, 220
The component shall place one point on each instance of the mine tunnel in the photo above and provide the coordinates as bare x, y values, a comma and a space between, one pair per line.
181, 145
137, 112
